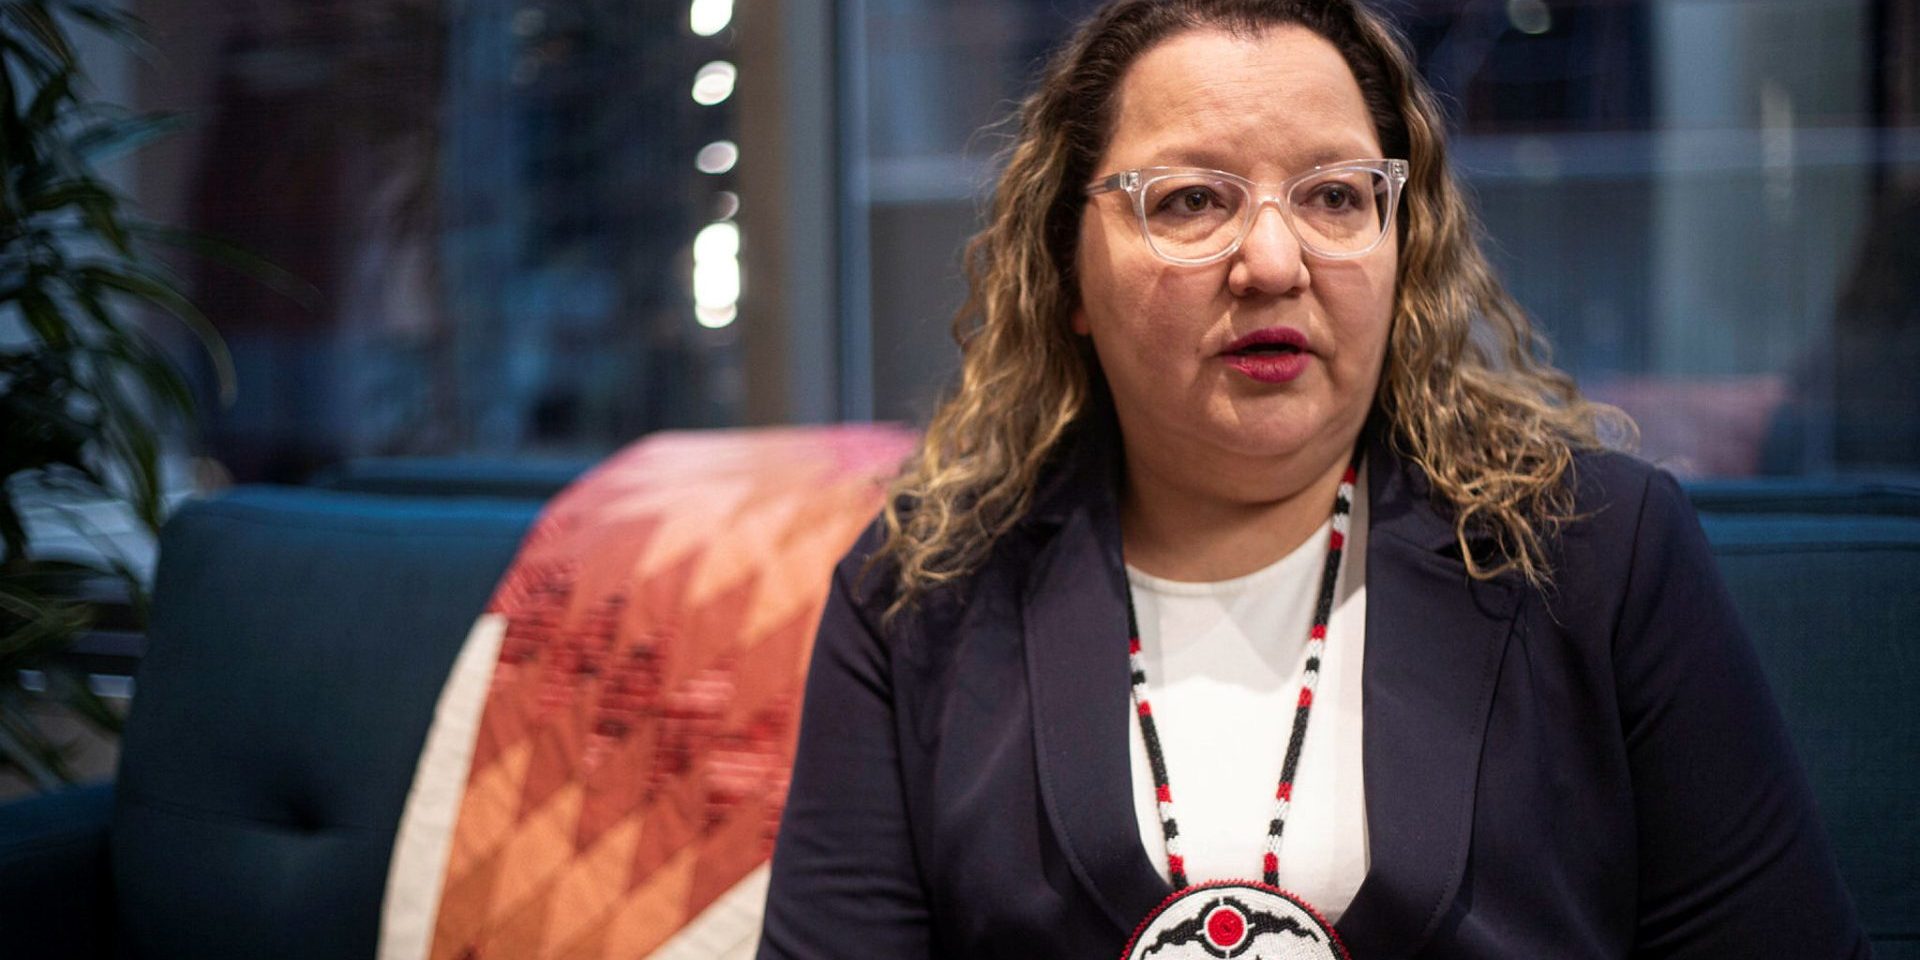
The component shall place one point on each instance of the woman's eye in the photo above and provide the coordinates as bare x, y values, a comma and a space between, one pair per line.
1189, 200
1336, 197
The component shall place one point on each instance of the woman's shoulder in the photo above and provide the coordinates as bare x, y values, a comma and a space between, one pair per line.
1080, 474
1612, 487
866, 573
1622, 507
869, 576
1606, 476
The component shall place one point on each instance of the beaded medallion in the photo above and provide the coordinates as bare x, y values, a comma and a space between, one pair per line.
1241, 919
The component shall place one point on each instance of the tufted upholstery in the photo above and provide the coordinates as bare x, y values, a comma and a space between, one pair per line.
299, 641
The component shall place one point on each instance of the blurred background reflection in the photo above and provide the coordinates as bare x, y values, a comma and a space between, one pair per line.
546, 228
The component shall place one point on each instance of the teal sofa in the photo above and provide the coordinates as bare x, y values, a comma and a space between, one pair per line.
300, 638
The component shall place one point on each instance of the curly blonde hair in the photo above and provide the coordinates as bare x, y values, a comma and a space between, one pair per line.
1467, 389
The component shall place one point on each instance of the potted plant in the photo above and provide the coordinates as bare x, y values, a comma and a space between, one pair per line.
88, 397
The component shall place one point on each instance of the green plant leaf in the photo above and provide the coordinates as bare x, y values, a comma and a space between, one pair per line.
116, 23
38, 24
115, 136
43, 315
160, 377
132, 443
88, 296
275, 277
16, 146
22, 743
86, 401
57, 90
65, 193
102, 214
45, 419
159, 293
37, 624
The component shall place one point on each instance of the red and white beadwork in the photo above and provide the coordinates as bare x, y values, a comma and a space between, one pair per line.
1303, 709
1250, 921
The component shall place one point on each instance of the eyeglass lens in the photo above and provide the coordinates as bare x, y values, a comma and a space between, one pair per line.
1191, 216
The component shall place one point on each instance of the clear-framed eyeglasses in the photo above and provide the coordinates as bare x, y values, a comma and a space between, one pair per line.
1194, 216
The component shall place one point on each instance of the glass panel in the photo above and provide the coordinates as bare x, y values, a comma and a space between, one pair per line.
1710, 208
495, 203
939, 76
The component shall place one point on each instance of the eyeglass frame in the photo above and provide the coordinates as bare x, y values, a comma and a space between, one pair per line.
1133, 182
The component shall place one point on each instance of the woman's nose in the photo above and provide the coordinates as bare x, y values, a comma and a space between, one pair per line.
1270, 259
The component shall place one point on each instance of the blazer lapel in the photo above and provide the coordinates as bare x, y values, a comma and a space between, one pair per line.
1074, 619
1435, 638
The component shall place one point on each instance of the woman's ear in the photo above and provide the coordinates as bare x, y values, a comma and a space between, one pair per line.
1079, 321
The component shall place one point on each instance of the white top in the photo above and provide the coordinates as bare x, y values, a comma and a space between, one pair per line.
1223, 663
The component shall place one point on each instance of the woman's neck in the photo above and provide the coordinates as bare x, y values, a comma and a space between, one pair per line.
1196, 526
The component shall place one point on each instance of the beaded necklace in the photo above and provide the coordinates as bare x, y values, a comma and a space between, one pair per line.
1225, 918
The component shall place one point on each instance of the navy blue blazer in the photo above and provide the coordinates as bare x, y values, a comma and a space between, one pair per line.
1593, 771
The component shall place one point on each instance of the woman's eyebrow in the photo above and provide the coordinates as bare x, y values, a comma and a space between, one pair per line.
1231, 162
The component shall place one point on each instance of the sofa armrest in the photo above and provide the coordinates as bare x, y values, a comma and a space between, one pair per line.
55, 893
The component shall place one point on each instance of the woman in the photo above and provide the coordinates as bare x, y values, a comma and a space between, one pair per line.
1255, 476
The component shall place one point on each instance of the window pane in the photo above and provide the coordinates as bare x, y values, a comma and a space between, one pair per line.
1710, 208
494, 203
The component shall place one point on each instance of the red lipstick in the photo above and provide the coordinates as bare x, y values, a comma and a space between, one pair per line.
1270, 355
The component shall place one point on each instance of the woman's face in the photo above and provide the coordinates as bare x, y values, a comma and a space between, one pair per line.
1264, 106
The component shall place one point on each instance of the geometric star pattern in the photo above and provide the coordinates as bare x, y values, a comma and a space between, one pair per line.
635, 744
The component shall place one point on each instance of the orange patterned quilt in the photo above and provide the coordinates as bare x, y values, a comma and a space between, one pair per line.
634, 746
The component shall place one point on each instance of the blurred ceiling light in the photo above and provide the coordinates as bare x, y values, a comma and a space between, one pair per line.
713, 83
708, 17
717, 157
716, 241
1530, 16
716, 318
716, 283
716, 274
725, 204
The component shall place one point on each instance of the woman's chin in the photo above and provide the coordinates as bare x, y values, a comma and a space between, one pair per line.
1282, 428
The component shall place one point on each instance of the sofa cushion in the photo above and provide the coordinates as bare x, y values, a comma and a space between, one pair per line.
298, 642
1833, 605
